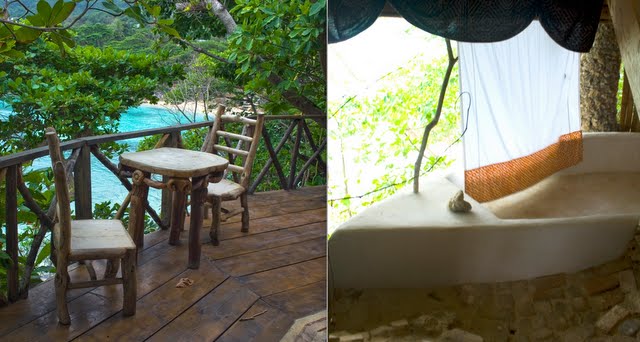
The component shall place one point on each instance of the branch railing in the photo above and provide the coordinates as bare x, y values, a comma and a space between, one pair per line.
78, 167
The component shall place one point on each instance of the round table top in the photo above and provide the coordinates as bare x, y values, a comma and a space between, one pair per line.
174, 162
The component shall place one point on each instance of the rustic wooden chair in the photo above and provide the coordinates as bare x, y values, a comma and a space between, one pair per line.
78, 240
245, 148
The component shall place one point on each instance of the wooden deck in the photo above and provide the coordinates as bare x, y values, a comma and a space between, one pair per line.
250, 287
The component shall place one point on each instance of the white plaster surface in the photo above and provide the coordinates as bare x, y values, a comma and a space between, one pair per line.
413, 240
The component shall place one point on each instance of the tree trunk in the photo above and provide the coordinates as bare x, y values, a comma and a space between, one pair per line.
221, 12
599, 75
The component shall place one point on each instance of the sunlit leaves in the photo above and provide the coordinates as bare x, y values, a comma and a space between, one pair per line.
376, 134
282, 38
60, 12
83, 92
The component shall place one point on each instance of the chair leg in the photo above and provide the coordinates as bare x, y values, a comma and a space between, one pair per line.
129, 283
112, 268
245, 213
205, 210
92, 271
62, 283
215, 219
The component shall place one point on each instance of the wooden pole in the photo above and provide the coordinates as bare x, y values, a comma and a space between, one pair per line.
294, 155
628, 116
12, 230
82, 184
314, 147
625, 15
314, 156
166, 198
273, 154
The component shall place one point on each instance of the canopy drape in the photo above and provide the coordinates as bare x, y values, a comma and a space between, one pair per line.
570, 23
520, 111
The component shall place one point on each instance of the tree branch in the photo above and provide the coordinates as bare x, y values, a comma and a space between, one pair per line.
434, 122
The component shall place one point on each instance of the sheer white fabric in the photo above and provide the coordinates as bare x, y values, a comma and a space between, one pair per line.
521, 94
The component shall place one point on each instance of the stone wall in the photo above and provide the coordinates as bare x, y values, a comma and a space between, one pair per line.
598, 304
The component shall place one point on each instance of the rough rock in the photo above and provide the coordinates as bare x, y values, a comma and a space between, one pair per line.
457, 204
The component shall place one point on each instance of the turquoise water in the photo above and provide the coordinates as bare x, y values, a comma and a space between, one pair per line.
104, 184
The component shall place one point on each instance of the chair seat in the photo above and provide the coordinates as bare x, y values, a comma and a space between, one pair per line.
99, 239
225, 189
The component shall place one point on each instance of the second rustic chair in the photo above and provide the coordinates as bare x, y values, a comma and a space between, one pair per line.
245, 148
77, 240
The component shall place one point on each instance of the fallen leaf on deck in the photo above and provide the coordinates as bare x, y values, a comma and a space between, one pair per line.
184, 282
252, 317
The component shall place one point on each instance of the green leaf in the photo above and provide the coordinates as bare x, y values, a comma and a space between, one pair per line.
317, 7
43, 254
165, 21
111, 6
155, 11
44, 10
61, 11
27, 35
169, 30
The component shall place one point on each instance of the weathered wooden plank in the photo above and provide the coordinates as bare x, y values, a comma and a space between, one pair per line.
232, 230
280, 208
153, 273
160, 307
273, 258
287, 277
260, 323
160, 265
625, 15
42, 300
282, 237
301, 301
211, 316
287, 195
85, 311
11, 206
82, 184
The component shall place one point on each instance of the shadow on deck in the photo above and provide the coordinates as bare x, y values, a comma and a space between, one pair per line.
252, 286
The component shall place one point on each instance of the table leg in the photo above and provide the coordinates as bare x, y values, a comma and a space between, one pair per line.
198, 195
139, 194
180, 187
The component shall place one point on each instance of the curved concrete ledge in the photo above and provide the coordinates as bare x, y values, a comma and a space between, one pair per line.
413, 240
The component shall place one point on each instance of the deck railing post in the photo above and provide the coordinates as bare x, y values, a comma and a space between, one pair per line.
12, 230
294, 154
82, 184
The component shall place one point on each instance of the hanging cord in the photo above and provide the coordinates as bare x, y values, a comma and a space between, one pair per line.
466, 126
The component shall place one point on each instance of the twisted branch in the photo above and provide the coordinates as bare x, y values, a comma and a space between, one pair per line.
434, 122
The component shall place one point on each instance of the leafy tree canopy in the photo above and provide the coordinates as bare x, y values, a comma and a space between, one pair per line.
81, 93
276, 48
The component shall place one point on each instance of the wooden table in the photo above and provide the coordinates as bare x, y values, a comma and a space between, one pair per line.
188, 172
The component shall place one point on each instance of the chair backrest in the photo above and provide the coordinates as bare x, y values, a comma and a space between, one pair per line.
63, 231
246, 142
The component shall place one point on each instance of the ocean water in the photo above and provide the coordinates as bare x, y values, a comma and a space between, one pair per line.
105, 186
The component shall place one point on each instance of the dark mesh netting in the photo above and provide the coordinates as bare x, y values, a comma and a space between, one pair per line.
571, 23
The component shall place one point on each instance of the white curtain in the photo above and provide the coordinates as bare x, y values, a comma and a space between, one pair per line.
520, 108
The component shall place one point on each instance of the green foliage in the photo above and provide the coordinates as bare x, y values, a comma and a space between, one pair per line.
40, 185
281, 38
82, 93
28, 30
383, 129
